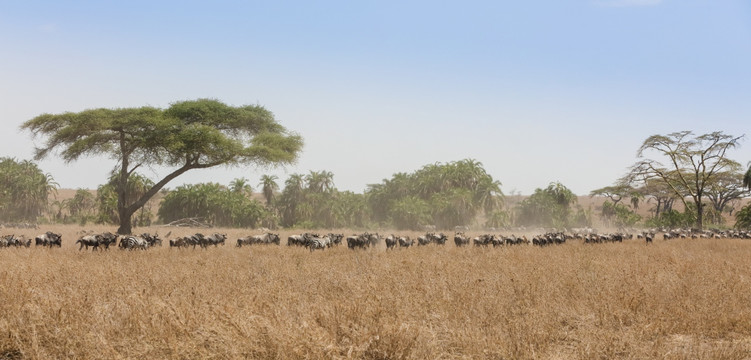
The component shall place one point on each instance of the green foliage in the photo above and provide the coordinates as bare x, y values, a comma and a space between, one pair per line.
498, 219
409, 212
106, 199
446, 195
24, 190
312, 201
81, 207
687, 218
188, 135
554, 206
215, 203
673, 219
694, 164
743, 218
619, 215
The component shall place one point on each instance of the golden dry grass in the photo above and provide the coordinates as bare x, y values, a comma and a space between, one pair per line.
687, 299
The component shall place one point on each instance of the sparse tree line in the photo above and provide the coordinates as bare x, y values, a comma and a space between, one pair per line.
444, 196
681, 167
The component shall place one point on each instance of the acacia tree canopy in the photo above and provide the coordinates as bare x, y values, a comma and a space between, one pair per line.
193, 134
686, 164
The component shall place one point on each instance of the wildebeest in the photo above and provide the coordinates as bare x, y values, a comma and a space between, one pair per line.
460, 239
49, 239
514, 240
179, 242
214, 239
428, 238
363, 240
265, 239
550, 239
482, 240
197, 239
108, 239
89, 240
391, 241
405, 241
297, 240
12, 240
336, 239
153, 240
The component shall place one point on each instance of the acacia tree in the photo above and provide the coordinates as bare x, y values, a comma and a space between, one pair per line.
690, 164
188, 135
727, 188
616, 192
747, 177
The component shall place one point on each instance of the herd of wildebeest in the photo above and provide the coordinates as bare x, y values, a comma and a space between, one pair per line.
314, 241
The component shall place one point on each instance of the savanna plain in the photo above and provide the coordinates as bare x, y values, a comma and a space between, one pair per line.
673, 299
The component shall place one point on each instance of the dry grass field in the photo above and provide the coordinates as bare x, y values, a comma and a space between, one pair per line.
678, 299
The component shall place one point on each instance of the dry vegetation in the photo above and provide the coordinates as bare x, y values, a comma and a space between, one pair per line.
679, 299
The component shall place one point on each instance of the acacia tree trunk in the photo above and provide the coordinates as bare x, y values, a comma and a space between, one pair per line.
699, 213
125, 222
126, 211
122, 190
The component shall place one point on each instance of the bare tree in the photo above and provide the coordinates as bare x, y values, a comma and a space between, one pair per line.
691, 164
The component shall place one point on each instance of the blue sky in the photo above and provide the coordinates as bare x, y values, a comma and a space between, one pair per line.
538, 91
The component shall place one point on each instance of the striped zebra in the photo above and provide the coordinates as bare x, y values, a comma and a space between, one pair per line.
318, 242
134, 242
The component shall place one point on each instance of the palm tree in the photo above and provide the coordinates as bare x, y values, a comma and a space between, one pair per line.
487, 194
24, 189
268, 187
292, 196
241, 186
320, 181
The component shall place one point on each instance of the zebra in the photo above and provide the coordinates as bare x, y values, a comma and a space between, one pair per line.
317, 242
133, 242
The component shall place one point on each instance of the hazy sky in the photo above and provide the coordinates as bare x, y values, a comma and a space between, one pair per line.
538, 91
